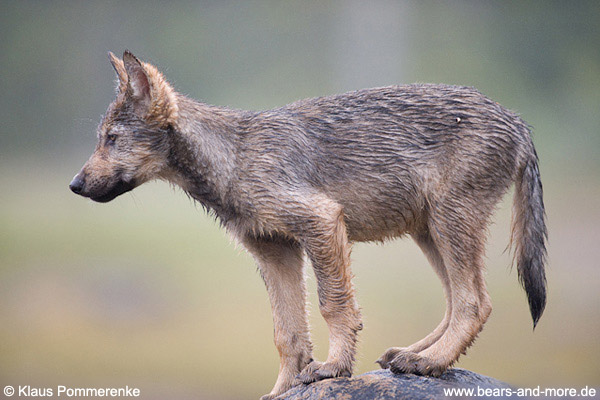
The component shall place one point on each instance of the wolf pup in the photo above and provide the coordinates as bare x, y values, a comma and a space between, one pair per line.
313, 177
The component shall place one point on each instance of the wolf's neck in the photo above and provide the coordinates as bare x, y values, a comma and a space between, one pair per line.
203, 155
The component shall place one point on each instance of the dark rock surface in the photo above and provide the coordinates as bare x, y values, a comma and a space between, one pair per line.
383, 384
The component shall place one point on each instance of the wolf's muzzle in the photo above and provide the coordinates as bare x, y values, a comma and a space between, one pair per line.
118, 189
100, 194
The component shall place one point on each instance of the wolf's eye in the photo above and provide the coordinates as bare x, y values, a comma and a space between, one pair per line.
111, 138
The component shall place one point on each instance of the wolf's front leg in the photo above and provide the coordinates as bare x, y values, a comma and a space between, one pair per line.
281, 265
326, 243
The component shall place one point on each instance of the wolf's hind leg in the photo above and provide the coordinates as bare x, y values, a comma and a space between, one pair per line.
459, 236
281, 265
426, 243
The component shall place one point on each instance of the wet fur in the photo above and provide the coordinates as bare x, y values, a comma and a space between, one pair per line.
310, 178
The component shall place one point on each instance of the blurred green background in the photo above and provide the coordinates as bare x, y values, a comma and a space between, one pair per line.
147, 291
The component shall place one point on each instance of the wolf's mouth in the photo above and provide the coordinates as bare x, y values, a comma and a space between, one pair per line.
117, 190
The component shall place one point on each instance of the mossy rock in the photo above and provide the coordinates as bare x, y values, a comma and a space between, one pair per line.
383, 384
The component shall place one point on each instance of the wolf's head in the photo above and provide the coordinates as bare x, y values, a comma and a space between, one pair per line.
133, 137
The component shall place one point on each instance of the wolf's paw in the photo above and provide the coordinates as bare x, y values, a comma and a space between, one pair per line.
388, 356
407, 362
316, 371
278, 391
270, 396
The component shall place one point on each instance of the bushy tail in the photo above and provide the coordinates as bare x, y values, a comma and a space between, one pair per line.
529, 235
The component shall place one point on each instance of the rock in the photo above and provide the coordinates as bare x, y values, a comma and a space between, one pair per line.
383, 384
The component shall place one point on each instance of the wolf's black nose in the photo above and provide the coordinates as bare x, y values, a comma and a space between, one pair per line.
76, 184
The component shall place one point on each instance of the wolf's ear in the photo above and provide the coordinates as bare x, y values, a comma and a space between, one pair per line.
148, 91
138, 83
120, 70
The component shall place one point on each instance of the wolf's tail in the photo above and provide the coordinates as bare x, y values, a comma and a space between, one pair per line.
529, 234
